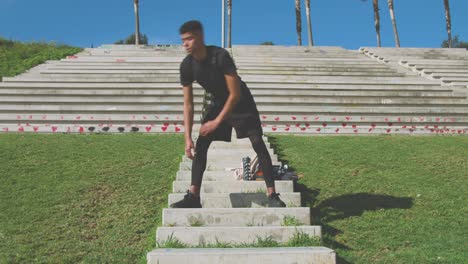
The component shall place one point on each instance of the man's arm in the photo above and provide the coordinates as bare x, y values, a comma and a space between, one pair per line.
188, 119
233, 85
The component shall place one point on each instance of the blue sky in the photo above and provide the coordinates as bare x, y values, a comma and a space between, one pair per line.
345, 23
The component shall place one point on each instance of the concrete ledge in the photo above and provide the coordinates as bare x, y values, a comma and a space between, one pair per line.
239, 200
234, 216
300, 255
195, 236
234, 187
221, 155
217, 166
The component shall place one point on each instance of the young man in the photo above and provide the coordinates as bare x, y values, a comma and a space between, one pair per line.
232, 105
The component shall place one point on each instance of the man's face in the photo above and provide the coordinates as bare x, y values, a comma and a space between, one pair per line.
192, 41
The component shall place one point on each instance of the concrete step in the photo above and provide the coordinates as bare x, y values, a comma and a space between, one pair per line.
234, 187
220, 156
195, 236
446, 71
217, 165
208, 217
169, 59
434, 86
293, 74
271, 119
238, 200
65, 67
138, 99
298, 109
279, 67
82, 72
102, 79
435, 67
167, 78
299, 255
198, 93
336, 79
207, 176
367, 63
236, 146
71, 63
156, 76
330, 129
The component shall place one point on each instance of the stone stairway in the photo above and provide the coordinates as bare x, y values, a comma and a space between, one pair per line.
234, 213
300, 90
450, 66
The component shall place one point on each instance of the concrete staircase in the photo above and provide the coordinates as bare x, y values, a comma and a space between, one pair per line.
450, 66
330, 90
234, 213
300, 90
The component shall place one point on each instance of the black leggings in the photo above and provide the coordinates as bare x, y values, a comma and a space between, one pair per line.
201, 149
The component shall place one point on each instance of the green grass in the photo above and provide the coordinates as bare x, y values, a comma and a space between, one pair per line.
98, 198
299, 239
385, 199
17, 57
291, 221
83, 198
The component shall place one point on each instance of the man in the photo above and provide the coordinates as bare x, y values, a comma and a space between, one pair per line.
232, 105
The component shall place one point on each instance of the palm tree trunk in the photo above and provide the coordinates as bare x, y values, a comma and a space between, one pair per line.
377, 21
137, 23
309, 23
448, 20
392, 16
298, 22
229, 3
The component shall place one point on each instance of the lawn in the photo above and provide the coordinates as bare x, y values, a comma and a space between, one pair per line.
83, 198
68, 198
17, 57
385, 199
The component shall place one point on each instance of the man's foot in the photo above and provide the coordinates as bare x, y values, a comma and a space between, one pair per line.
189, 201
275, 201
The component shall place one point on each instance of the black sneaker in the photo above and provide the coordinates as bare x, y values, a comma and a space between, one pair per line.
189, 201
275, 201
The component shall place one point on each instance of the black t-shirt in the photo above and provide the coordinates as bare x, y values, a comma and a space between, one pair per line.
209, 73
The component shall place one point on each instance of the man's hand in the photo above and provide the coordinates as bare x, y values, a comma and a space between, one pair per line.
208, 127
188, 148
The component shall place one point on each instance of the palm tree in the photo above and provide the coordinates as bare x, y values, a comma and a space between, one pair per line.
448, 20
392, 16
377, 21
137, 23
298, 22
309, 23
229, 4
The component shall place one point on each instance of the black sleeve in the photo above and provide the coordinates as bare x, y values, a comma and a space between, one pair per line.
226, 62
186, 73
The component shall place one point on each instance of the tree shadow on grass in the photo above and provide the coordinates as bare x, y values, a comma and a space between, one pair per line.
342, 207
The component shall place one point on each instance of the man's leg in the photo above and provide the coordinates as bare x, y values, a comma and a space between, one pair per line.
199, 163
192, 198
264, 161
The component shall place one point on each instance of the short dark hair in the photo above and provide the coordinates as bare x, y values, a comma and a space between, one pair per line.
191, 26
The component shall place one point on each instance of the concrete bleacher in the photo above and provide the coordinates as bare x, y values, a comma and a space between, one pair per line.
448, 65
301, 90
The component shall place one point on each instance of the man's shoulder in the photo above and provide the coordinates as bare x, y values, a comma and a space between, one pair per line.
187, 59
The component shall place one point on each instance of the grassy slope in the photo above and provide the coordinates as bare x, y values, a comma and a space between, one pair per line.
386, 199
17, 57
90, 198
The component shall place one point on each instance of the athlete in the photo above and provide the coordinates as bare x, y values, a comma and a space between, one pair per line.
231, 106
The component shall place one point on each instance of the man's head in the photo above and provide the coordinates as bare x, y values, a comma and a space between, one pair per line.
191, 33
